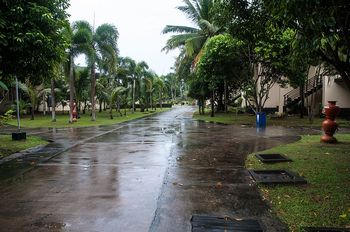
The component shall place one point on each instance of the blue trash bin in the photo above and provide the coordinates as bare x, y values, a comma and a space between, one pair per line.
261, 120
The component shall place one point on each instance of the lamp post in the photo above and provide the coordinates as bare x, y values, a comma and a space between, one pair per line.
18, 135
17, 101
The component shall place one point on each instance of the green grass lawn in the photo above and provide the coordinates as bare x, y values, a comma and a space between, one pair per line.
325, 200
8, 146
84, 120
293, 121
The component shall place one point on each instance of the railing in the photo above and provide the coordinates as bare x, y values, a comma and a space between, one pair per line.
310, 86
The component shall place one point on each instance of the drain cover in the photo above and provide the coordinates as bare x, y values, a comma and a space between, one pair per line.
325, 229
272, 158
201, 223
276, 177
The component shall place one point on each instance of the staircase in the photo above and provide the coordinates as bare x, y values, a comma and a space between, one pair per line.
311, 86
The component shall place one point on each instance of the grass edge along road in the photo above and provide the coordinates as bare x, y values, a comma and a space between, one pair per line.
9, 146
324, 201
291, 121
102, 118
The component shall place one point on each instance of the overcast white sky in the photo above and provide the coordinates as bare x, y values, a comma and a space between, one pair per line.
139, 23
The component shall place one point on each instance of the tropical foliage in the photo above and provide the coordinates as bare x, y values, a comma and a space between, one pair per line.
41, 53
31, 37
191, 40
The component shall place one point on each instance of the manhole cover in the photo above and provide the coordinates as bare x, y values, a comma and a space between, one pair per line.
272, 158
276, 177
202, 223
325, 229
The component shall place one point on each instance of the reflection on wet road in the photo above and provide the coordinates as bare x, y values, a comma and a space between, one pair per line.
150, 174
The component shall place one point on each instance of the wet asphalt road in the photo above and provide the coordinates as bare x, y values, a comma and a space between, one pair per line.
151, 174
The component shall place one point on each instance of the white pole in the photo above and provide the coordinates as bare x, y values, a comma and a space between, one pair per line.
17, 99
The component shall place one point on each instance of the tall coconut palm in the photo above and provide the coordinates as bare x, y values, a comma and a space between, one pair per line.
171, 81
191, 40
139, 82
160, 87
127, 69
101, 44
80, 38
149, 87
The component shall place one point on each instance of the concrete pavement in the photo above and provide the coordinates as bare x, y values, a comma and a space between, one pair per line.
150, 174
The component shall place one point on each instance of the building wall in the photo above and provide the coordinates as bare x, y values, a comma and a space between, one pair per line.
334, 89
276, 97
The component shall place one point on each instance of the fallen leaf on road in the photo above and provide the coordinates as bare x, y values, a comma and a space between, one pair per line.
219, 185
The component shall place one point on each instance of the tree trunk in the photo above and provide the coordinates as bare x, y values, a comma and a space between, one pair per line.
100, 107
160, 100
53, 102
71, 89
32, 113
225, 95
84, 109
212, 104
133, 95
93, 92
44, 103
118, 108
110, 111
200, 106
172, 93
302, 98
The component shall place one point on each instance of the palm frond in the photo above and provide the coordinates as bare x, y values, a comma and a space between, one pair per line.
208, 27
179, 29
107, 34
82, 24
190, 11
3, 86
176, 41
194, 44
204, 7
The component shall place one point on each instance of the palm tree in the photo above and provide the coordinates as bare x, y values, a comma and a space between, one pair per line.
80, 38
191, 40
99, 46
127, 68
141, 71
58, 74
115, 97
149, 87
81, 81
34, 92
171, 81
160, 87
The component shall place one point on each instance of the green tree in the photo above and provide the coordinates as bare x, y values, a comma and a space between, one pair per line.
139, 83
32, 41
82, 87
268, 46
34, 92
160, 88
323, 26
172, 83
222, 62
199, 89
116, 97
99, 46
190, 40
